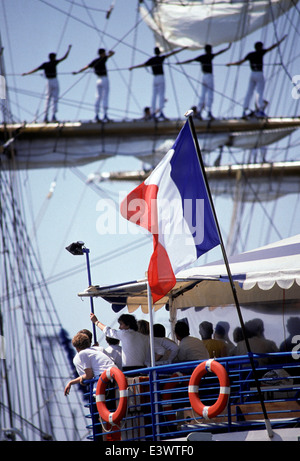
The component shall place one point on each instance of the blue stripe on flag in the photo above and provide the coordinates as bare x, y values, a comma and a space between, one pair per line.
187, 175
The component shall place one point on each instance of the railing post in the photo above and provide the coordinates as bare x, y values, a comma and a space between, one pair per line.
154, 403
229, 399
92, 406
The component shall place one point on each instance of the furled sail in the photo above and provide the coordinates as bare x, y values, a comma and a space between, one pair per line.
196, 23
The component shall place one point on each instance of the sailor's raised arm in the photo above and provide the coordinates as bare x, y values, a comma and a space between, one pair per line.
110, 53
66, 54
137, 66
81, 70
276, 44
186, 62
31, 71
224, 49
236, 63
167, 55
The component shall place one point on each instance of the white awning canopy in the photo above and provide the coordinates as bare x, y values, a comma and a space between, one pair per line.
269, 274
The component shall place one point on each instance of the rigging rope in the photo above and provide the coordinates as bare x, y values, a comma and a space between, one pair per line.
34, 318
277, 39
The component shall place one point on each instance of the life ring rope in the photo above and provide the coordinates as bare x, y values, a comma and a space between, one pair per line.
209, 411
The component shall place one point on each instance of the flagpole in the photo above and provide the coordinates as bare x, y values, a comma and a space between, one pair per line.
189, 114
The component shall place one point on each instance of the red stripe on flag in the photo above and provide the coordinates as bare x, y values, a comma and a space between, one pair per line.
140, 207
161, 277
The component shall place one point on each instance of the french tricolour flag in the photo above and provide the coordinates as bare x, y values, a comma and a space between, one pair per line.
172, 204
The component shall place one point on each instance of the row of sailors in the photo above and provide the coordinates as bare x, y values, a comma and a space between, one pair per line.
256, 81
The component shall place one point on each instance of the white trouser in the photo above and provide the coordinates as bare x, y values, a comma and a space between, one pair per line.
158, 93
52, 94
207, 94
102, 90
257, 82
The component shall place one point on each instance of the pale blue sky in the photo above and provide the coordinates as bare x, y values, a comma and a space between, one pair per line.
31, 29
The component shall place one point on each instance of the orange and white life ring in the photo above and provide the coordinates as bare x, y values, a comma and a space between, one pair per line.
119, 377
209, 411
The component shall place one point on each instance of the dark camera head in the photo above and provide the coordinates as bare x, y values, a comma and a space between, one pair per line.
76, 248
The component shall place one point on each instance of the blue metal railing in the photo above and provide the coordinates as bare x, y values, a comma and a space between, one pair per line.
158, 406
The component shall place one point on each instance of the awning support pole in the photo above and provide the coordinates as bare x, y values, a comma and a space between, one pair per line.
153, 377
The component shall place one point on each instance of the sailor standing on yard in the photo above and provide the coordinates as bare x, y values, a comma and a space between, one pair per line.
49, 68
207, 94
102, 90
257, 79
156, 64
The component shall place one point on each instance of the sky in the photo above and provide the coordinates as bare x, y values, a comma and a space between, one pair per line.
30, 30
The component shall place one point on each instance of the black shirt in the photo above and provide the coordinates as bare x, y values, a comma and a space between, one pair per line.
256, 60
99, 66
49, 68
156, 64
206, 62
